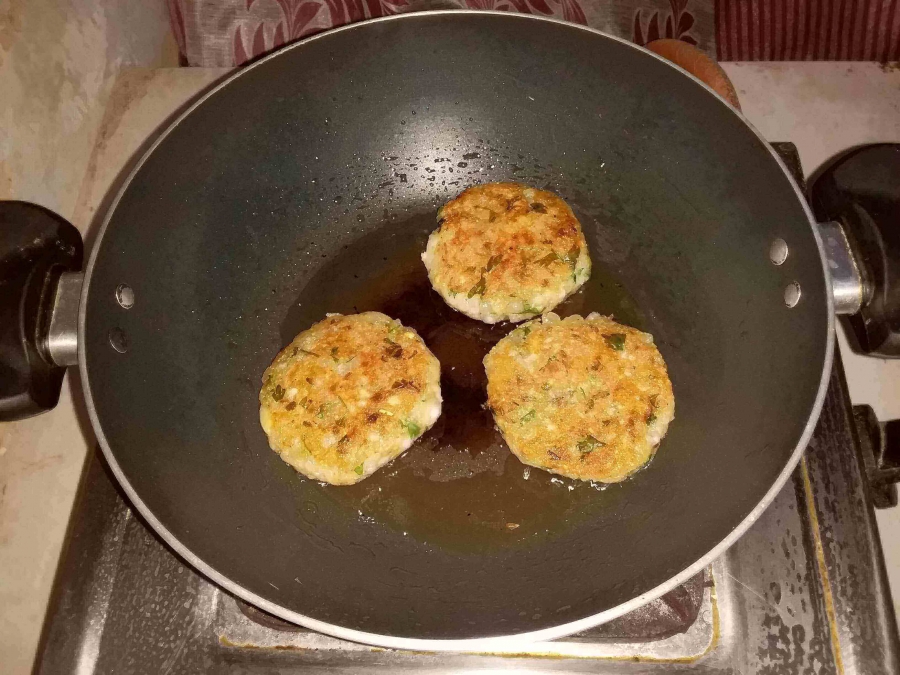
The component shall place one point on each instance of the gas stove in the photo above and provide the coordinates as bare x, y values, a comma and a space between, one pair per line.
804, 590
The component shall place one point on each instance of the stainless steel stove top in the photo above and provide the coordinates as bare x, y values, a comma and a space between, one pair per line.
803, 591
687, 633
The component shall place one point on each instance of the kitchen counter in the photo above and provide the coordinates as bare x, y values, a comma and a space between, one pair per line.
823, 108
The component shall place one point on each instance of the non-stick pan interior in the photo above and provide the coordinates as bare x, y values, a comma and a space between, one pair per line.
308, 184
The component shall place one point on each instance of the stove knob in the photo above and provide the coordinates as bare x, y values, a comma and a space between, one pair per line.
880, 446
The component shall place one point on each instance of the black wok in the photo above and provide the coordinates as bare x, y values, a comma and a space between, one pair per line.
308, 182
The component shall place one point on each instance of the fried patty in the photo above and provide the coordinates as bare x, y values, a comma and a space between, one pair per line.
504, 251
349, 395
584, 398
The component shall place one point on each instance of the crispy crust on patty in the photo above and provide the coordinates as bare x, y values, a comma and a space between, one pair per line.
504, 251
584, 398
348, 395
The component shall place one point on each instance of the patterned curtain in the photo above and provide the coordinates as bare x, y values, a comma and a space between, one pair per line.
233, 32
807, 30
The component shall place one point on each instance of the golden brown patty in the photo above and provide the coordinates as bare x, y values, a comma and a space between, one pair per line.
583, 398
349, 395
506, 251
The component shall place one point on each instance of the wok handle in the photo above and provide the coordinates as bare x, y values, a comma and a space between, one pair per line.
850, 287
859, 194
40, 258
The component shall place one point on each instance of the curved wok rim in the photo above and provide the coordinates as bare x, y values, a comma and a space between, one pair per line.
464, 644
